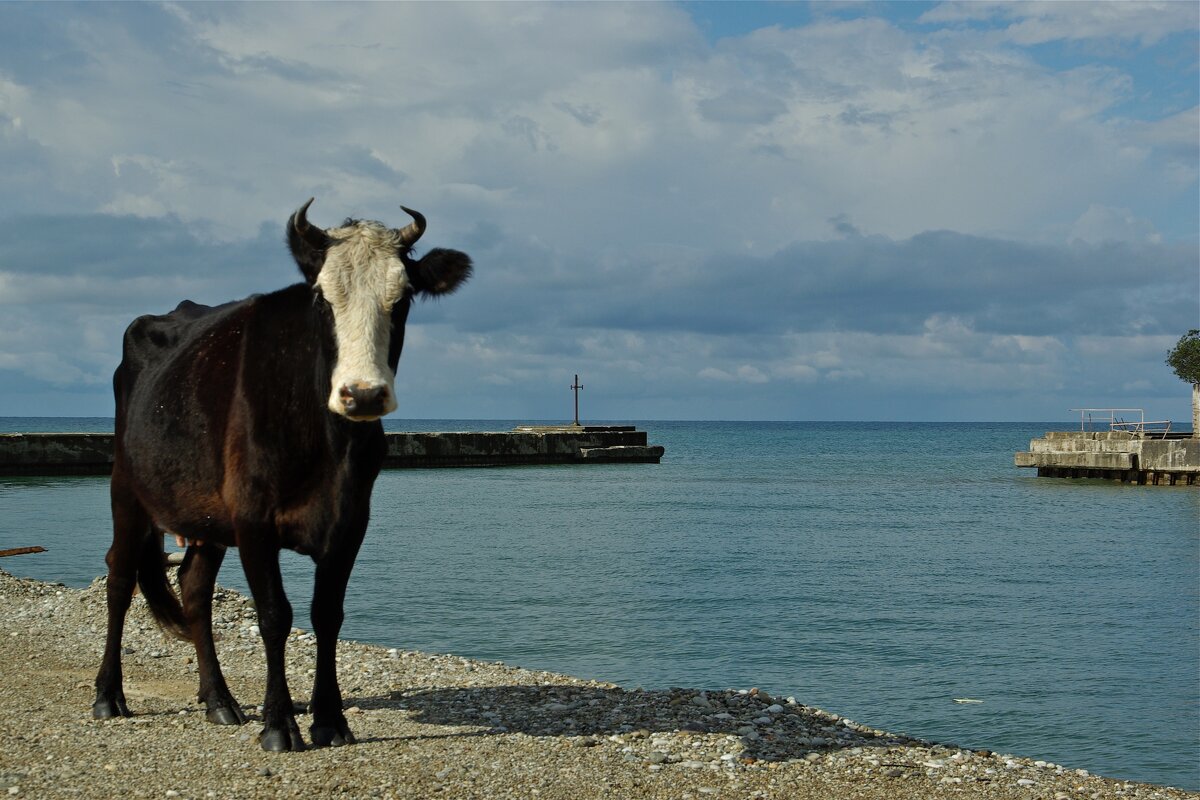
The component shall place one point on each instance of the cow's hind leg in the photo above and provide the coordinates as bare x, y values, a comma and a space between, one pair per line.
131, 525
259, 551
197, 577
329, 594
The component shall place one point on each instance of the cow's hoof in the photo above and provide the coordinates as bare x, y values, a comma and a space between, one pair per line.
108, 709
280, 740
225, 715
329, 736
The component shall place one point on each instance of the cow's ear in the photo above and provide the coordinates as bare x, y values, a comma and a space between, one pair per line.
307, 242
439, 272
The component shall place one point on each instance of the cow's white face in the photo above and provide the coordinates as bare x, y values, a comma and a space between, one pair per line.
363, 269
362, 279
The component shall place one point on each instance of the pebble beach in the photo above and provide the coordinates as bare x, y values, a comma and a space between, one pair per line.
433, 725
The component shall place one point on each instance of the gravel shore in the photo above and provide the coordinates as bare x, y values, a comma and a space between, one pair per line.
442, 726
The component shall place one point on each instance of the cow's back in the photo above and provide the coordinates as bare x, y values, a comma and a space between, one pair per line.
154, 339
173, 391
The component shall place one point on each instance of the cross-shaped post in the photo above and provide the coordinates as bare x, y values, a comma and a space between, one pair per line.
576, 386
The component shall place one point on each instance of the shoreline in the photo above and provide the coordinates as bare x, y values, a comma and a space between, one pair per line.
440, 725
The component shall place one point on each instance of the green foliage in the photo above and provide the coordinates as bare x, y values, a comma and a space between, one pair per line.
1184, 358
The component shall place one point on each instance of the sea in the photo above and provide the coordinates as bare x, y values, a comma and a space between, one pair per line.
883, 571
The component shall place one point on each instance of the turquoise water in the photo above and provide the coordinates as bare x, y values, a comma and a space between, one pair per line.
878, 570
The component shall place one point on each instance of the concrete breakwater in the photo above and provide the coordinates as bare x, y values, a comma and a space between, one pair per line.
91, 453
1127, 456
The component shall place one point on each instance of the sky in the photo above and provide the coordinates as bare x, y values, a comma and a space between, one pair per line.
829, 211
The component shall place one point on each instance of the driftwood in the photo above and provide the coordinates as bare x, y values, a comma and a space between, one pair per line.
20, 551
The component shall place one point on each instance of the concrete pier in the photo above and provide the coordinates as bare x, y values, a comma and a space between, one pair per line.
91, 453
566, 444
1132, 457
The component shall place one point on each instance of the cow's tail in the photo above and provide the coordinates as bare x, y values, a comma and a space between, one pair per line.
152, 578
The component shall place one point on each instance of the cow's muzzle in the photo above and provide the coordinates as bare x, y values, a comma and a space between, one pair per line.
363, 403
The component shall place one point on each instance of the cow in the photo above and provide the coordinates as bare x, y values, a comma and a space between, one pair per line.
256, 425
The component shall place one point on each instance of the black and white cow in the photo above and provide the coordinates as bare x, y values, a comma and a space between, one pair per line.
255, 425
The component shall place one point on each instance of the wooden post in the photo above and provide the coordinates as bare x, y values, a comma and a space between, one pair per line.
576, 386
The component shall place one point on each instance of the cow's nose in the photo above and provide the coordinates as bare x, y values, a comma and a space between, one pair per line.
364, 401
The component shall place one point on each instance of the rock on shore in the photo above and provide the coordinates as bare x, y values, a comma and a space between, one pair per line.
441, 726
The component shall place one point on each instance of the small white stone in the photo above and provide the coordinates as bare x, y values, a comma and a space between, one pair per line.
1026, 782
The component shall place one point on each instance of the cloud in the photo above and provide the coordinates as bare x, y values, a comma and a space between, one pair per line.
826, 210
745, 373
939, 309
859, 283
742, 106
69, 285
236, 113
1105, 224
1031, 23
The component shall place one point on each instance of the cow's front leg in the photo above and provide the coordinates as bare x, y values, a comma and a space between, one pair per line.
329, 593
260, 560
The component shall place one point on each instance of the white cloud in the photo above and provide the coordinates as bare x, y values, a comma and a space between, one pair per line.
849, 204
616, 114
1037, 22
1103, 224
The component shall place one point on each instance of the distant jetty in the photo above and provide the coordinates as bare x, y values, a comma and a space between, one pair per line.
1142, 457
91, 453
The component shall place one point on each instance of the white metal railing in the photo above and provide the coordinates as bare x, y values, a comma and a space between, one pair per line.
1089, 417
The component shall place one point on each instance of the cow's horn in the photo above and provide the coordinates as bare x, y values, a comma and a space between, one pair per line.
411, 232
311, 234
